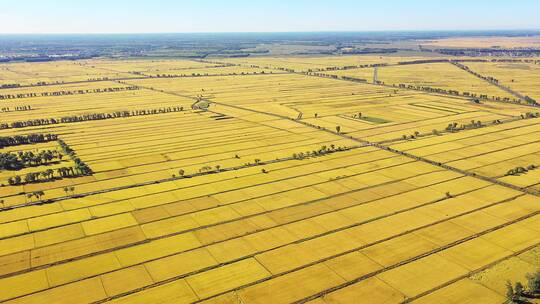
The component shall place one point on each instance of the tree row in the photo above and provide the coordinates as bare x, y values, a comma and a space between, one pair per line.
64, 92
87, 117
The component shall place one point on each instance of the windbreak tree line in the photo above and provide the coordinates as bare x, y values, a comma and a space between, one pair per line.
88, 117
20, 160
9, 141
17, 161
65, 92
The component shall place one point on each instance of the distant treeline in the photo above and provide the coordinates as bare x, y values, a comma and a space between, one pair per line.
72, 92
489, 52
16, 109
370, 51
207, 74
87, 117
46, 58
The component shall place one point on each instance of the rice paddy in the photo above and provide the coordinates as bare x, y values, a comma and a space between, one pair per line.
253, 180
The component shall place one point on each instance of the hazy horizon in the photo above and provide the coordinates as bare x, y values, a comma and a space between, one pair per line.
517, 31
263, 16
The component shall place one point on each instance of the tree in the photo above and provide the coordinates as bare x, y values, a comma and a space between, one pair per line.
533, 282
181, 172
338, 129
50, 173
518, 289
509, 292
38, 194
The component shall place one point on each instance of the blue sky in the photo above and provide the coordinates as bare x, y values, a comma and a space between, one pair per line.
151, 16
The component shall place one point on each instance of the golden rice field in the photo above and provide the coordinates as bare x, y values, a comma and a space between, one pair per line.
523, 77
315, 63
439, 75
238, 186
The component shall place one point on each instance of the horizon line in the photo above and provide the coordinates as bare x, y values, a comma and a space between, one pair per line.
284, 32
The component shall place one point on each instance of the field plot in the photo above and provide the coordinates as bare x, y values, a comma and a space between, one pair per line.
140, 67
325, 63
442, 76
52, 72
492, 151
212, 71
279, 178
519, 76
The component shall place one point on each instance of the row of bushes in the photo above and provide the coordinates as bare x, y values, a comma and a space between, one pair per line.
9, 141
207, 74
16, 109
494, 81
521, 170
17, 161
72, 92
80, 169
80, 166
88, 117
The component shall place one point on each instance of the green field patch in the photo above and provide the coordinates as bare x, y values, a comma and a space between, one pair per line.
376, 120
